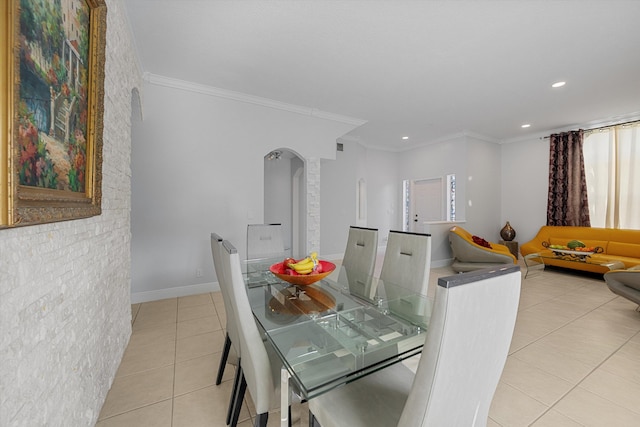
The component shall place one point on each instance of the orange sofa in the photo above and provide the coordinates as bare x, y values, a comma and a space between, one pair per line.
617, 244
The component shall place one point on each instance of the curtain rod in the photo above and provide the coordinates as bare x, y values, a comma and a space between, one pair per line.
601, 127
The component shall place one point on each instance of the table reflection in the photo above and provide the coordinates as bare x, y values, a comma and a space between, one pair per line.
289, 303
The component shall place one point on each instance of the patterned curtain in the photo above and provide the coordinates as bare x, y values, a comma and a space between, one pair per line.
567, 203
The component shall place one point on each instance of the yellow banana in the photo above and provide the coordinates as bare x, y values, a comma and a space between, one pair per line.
303, 267
307, 265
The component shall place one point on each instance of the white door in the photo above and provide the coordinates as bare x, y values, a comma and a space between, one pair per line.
425, 203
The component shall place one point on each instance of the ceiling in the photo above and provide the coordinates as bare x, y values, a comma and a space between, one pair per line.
429, 70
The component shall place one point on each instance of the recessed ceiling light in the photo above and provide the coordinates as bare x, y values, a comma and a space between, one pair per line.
558, 84
405, 137
525, 125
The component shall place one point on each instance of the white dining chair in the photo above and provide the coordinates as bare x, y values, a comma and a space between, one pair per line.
231, 349
359, 261
258, 372
407, 261
265, 241
466, 347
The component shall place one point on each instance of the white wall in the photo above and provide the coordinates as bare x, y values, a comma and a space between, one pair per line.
525, 185
198, 167
483, 189
437, 161
384, 193
65, 313
277, 195
338, 181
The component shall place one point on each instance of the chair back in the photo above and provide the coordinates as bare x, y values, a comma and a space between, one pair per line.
265, 241
225, 289
407, 260
359, 259
254, 361
466, 348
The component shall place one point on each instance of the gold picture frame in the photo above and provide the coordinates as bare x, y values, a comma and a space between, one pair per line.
52, 86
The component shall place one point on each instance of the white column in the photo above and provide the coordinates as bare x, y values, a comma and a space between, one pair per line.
312, 168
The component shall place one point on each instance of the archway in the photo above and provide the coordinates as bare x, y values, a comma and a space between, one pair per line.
285, 197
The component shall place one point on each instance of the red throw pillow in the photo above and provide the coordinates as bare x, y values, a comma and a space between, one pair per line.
480, 241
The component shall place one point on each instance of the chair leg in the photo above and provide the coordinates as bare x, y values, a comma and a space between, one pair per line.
313, 422
223, 359
261, 420
232, 399
238, 399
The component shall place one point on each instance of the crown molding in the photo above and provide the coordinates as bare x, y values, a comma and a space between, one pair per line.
250, 99
593, 124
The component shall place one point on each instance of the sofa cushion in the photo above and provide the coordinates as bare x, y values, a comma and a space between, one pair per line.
624, 249
627, 261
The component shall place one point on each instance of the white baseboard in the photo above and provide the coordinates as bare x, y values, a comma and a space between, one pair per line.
441, 263
179, 291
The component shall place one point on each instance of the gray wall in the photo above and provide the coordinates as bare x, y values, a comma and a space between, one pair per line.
525, 185
338, 182
277, 195
198, 167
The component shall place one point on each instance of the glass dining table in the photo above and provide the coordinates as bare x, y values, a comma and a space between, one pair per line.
336, 330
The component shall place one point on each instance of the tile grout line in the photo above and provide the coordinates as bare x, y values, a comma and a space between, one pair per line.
575, 386
564, 324
175, 358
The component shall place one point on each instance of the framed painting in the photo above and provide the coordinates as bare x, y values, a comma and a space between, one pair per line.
52, 85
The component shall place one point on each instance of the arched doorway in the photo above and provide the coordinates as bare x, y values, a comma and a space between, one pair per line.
285, 197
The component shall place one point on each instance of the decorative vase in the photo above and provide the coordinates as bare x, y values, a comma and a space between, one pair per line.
507, 233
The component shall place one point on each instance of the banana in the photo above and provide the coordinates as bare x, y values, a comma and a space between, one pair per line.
307, 265
302, 261
314, 258
303, 267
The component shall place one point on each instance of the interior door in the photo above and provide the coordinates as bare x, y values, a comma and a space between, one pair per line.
426, 203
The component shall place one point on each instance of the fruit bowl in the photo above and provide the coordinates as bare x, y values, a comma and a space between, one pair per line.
278, 269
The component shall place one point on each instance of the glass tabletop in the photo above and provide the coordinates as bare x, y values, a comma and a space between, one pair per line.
338, 329
576, 256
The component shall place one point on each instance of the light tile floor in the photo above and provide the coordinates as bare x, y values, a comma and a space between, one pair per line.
574, 361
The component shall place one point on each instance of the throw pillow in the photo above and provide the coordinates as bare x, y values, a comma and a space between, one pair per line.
480, 241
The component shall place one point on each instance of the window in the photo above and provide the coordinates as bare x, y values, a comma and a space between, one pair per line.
612, 168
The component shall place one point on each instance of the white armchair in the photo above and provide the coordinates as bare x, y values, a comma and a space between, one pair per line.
407, 261
265, 241
358, 263
231, 350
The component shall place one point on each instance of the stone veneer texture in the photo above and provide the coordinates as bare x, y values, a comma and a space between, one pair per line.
313, 203
65, 316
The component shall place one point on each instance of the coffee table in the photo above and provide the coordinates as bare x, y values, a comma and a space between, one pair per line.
535, 262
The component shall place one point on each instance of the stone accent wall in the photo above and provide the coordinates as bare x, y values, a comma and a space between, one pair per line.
65, 315
312, 168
